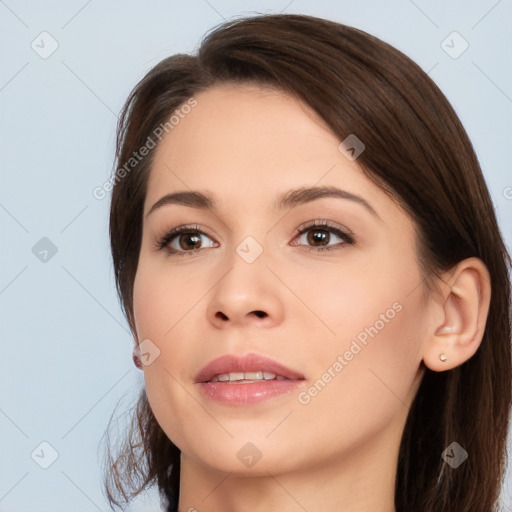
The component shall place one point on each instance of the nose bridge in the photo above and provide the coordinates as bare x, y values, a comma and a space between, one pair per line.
245, 287
248, 272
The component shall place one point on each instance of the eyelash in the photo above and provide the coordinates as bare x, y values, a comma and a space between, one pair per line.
347, 237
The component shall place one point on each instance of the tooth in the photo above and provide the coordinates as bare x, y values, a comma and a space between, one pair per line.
240, 376
253, 375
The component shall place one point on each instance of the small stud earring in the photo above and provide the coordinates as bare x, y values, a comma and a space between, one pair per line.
136, 357
443, 357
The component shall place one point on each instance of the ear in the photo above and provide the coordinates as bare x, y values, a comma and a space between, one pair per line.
459, 316
136, 348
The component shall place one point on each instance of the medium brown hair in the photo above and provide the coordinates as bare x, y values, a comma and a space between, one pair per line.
418, 152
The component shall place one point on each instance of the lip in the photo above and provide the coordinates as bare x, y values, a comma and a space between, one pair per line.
250, 392
247, 363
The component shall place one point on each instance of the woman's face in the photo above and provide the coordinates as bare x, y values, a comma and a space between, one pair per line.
337, 307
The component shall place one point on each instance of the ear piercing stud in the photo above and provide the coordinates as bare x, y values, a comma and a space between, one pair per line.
136, 358
443, 357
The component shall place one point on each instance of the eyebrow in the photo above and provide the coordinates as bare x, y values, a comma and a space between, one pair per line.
290, 199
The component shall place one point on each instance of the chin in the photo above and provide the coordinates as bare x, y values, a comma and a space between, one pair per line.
244, 455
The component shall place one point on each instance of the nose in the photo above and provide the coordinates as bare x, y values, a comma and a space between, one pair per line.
247, 295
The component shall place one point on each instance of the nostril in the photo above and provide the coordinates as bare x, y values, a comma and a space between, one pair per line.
258, 313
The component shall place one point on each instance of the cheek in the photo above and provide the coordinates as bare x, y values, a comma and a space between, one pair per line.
361, 389
375, 319
160, 312
366, 297
161, 299
162, 315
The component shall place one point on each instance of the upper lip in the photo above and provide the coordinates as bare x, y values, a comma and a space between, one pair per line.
247, 363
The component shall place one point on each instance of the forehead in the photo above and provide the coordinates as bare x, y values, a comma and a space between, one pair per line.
236, 121
246, 143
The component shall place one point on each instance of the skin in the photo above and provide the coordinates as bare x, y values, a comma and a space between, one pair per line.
247, 145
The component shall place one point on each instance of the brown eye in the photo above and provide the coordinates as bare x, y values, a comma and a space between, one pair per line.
184, 240
189, 241
319, 235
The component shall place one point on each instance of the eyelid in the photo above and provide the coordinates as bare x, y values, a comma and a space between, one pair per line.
342, 232
325, 224
346, 235
162, 241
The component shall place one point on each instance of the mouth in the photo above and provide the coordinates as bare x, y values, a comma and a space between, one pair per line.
253, 367
245, 377
244, 380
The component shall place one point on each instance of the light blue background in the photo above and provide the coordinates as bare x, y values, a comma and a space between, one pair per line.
66, 348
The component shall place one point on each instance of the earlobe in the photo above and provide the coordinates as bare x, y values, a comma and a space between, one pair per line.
136, 356
458, 328
136, 349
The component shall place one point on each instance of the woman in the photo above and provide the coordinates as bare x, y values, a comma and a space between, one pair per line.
308, 258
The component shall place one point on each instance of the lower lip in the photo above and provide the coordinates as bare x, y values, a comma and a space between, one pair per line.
247, 393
